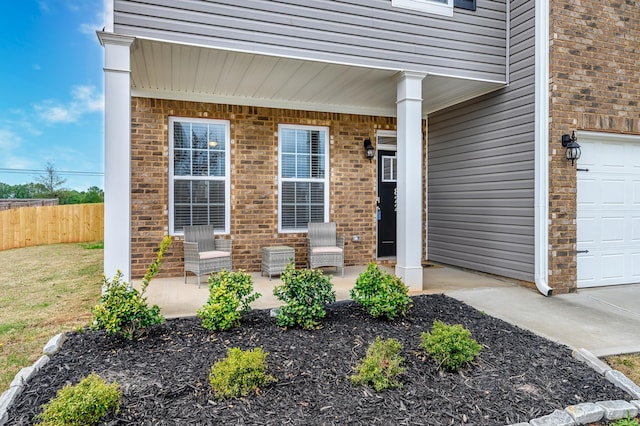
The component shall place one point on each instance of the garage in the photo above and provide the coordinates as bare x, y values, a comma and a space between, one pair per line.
608, 216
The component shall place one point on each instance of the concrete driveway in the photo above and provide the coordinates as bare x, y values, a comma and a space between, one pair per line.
603, 320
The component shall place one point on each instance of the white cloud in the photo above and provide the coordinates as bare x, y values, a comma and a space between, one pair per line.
12, 140
8, 139
84, 100
11, 144
90, 29
52, 113
97, 24
86, 96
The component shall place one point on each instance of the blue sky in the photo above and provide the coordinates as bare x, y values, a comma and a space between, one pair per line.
51, 91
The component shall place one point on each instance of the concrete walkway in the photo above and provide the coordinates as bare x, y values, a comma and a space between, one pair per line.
605, 320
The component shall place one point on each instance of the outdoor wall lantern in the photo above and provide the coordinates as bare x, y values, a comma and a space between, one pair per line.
368, 147
571, 144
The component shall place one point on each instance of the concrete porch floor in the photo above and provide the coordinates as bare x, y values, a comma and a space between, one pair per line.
177, 299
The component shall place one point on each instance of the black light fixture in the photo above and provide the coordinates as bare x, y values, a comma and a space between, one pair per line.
368, 147
571, 144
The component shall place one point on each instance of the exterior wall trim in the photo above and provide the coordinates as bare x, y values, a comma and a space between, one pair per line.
285, 104
108, 15
507, 62
117, 154
608, 136
445, 9
409, 215
265, 103
541, 189
344, 32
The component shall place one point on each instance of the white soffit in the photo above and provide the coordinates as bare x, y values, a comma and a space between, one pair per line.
174, 71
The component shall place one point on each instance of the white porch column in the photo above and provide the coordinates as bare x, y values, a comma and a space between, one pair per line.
409, 200
117, 154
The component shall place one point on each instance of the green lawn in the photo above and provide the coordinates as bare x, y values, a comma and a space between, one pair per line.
44, 290
629, 365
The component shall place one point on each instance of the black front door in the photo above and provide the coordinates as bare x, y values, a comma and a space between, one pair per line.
387, 199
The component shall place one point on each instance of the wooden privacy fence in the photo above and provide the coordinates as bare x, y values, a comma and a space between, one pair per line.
32, 226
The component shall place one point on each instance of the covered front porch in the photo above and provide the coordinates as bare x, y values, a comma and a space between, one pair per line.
136, 67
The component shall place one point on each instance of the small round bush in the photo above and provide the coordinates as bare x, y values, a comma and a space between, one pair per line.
381, 294
240, 373
230, 294
83, 404
450, 345
305, 293
381, 366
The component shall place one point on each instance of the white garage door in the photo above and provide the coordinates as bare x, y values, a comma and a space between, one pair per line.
608, 209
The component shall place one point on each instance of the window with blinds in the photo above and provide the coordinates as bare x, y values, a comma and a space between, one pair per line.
199, 174
303, 177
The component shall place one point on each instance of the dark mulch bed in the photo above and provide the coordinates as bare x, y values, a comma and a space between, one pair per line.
518, 376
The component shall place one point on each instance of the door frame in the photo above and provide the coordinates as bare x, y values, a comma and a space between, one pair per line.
382, 147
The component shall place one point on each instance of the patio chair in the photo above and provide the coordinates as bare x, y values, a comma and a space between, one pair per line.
203, 253
325, 248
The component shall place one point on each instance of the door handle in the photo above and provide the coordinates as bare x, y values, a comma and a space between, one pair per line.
582, 251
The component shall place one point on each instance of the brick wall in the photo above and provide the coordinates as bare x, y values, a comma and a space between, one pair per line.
595, 86
254, 142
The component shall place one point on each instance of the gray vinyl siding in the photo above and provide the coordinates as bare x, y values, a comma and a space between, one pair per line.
371, 33
481, 170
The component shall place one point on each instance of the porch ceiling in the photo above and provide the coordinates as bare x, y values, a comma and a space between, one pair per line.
175, 71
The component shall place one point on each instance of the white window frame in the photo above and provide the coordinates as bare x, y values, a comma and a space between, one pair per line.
226, 178
393, 168
326, 179
428, 6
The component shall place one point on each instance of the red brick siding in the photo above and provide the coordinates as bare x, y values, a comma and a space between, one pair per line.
254, 184
595, 86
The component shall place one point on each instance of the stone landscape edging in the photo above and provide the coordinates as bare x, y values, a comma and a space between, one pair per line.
573, 415
589, 412
20, 380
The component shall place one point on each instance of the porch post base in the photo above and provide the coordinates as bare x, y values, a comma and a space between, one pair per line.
411, 276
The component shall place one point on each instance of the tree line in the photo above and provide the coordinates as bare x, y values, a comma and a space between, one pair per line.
50, 185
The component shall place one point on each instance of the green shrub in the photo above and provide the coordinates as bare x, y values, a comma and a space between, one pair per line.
450, 345
240, 373
381, 366
381, 294
83, 404
154, 267
124, 310
627, 421
227, 292
305, 293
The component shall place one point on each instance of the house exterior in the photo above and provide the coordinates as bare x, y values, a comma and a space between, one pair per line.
252, 115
